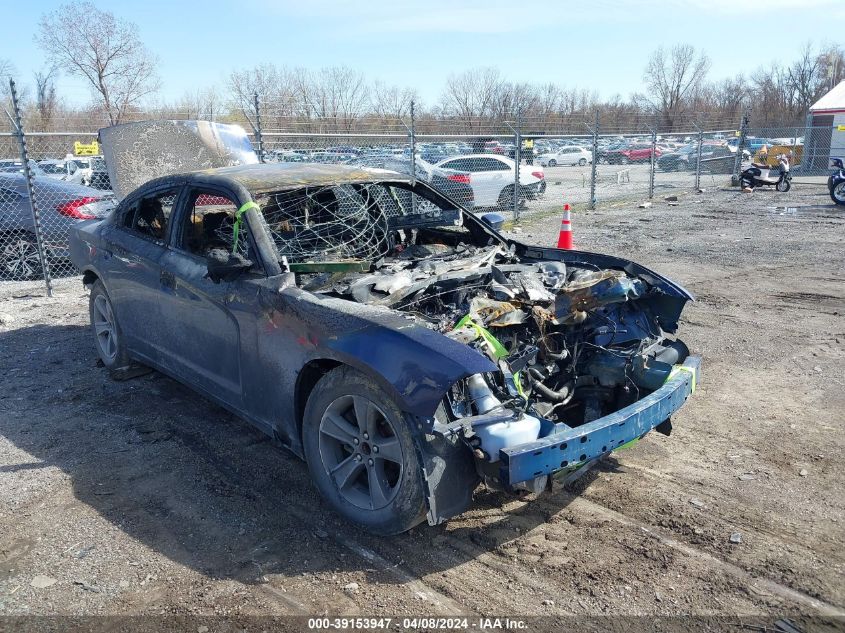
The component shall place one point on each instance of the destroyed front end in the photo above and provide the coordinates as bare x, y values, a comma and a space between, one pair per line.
584, 346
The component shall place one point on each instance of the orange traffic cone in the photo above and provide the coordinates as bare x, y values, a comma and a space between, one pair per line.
564, 240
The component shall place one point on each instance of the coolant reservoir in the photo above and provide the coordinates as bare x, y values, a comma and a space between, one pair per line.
505, 434
501, 434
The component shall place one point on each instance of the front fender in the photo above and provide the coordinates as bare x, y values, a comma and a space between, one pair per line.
417, 366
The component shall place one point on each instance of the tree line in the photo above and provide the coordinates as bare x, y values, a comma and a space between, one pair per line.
109, 55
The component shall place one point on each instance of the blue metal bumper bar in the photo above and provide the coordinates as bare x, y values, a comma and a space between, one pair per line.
586, 442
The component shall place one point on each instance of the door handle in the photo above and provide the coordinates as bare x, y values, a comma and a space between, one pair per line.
168, 280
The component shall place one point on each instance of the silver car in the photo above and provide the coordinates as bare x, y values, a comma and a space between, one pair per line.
61, 205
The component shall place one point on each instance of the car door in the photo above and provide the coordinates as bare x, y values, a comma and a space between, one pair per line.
495, 175
203, 322
134, 246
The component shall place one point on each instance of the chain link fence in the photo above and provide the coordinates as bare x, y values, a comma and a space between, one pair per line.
51, 180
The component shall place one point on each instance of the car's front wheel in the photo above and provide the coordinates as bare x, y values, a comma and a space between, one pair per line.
837, 193
582, 162
108, 337
361, 454
552, 163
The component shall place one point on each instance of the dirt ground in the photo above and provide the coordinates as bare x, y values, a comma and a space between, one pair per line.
140, 497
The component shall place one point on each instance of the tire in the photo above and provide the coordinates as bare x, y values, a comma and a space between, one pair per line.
783, 185
746, 182
383, 494
506, 198
108, 337
19, 258
582, 162
552, 163
837, 193
623, 160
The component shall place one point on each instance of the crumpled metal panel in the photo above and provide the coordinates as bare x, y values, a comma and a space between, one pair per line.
136, 153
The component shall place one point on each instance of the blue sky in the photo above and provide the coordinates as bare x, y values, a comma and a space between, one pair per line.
601, 45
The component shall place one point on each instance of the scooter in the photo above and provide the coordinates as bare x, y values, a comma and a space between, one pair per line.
836, 182
759, 175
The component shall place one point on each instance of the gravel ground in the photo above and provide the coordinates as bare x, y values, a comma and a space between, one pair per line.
140, 497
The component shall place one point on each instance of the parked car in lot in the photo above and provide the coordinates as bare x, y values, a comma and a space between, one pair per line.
632, 153
566, 156
686, 157
14, 166
450, 182
62, 205
357, 318
492, 178
66, 170
752, 143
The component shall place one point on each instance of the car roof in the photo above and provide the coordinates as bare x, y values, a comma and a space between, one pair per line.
496, 156
261, 178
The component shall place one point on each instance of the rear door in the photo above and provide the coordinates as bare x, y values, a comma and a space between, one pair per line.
203, 322
136, 244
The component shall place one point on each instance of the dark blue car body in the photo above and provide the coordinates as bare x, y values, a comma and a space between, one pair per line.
258, 345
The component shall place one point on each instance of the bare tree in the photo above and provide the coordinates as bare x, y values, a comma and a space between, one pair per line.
470, 96
391, 102
106, 51
46, 101
673, 79
7, 71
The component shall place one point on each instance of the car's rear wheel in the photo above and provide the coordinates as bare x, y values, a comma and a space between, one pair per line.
552, 163
582, 162
361, 454
506, 198
19, 258
108, 337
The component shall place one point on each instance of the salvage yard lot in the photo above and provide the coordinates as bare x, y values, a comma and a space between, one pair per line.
141, 497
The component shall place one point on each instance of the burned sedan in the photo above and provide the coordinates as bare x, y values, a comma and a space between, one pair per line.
392, 339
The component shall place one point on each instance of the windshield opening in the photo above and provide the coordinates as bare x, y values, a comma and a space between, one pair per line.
364, 221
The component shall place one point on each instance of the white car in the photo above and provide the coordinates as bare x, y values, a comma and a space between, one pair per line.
566, 156
491, 178
66, 170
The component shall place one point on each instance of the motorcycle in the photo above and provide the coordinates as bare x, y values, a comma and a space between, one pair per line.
836, 182
759, 175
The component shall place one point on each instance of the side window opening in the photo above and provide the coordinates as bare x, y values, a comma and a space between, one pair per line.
210, 224
149, 216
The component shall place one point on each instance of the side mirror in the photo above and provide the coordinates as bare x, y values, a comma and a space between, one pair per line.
225, 266
493, 220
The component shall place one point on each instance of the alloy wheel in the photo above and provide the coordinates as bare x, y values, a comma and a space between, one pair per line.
104, 327
20, 259
361, 452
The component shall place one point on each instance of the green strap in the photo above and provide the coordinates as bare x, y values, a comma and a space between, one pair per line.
493, 343
677, 369
238, 217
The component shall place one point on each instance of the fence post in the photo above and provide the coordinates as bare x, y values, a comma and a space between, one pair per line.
30, 189
412, 136
517, 157
652, 164
698, 158
594, 163
259, 140
743, 131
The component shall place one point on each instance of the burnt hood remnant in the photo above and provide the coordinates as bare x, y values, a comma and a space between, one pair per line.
136, 153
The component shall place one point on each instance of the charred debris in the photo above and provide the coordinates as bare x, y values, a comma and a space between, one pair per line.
572, 342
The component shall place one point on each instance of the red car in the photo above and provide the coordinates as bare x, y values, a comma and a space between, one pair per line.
635, 153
